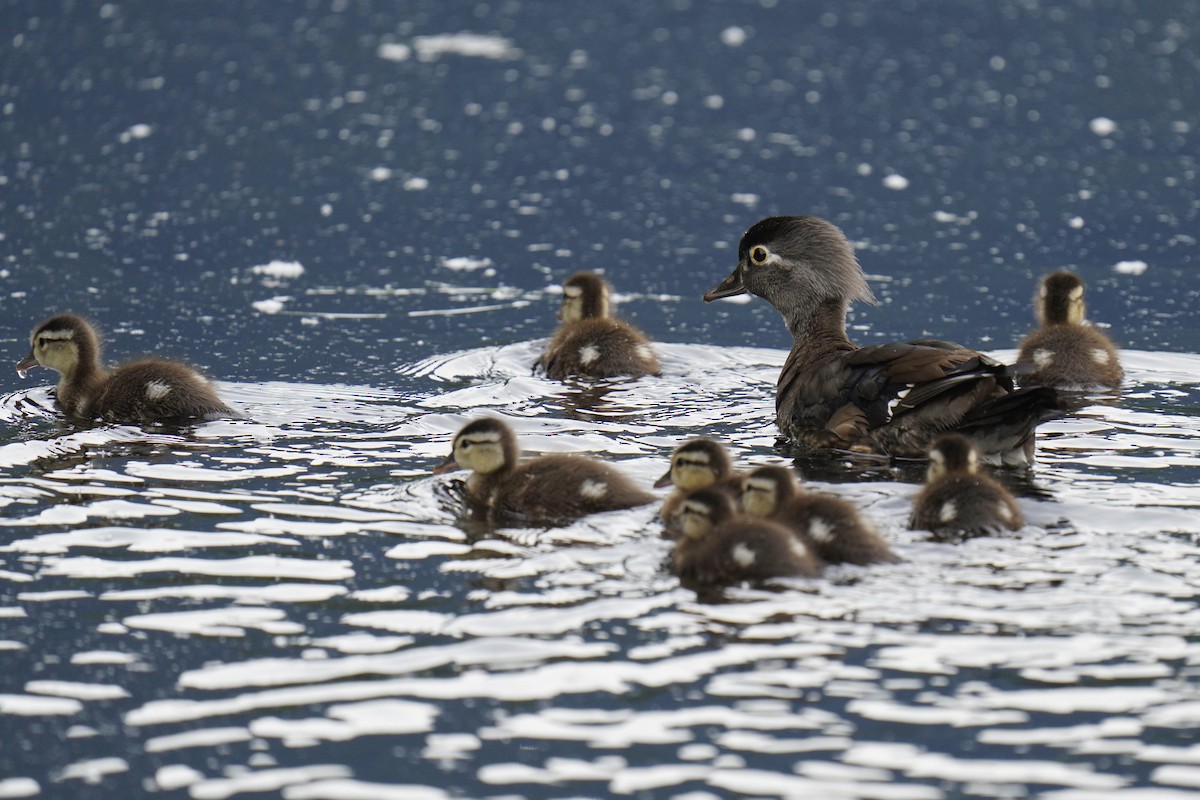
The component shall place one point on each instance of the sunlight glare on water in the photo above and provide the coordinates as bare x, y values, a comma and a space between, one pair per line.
311, 540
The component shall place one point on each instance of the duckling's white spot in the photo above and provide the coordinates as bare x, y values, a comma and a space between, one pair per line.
949, 512
1043, 357
157, 390
593, 490
820, 530
743, 555
1005, 512
643, 352
1100, 355
798, 548
588, 353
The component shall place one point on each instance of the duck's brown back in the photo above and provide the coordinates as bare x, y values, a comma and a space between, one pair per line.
565, 487
835, 530
965, 505
1070, 357
599, 347
153, 389
743, 549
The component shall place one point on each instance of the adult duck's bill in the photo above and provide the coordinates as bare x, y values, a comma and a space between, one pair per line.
27, 363
727, 288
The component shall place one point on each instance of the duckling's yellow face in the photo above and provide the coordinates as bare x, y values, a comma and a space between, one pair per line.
55, 349
571, 309
482, 452
760, 496
692, 469
693, 519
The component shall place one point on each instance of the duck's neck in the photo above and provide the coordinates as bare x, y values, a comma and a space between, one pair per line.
482, 486
819, 332
78, 388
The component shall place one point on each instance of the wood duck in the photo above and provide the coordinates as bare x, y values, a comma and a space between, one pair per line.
719, 547
832, 528
696, 464
552, 487
1066, 352
959, 499
590, 342
141, 391
890, 398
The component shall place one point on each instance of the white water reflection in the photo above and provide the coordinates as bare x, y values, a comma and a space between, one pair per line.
296, 580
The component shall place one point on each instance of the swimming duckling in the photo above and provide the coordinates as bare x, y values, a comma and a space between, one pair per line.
718, 546
958, 498
833, 528
146, 390
889, 398
591, 343
1066, 352
552, 487
696, 464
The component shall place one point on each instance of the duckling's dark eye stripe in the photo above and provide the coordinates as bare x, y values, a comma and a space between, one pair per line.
691, 462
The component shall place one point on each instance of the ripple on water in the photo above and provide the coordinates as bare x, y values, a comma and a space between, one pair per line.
295, 580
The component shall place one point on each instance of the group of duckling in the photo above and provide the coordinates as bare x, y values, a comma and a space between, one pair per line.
925, 398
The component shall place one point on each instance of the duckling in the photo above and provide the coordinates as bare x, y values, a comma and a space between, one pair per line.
833, 528
553, 487
145, 390
589, 341
696, 464
892, 399
958, 498
1066, 352
717, 546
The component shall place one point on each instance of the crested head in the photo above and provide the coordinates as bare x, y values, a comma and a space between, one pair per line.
803, 266
952, 453
1060, 299
63, 343
585, 295
698, 463
703, 510
765, 489
486, 445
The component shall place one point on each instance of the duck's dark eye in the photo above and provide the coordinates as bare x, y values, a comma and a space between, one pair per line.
41, 341
759, 254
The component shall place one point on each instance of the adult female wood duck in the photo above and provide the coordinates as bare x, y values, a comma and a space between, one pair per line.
589, 341
717, 546
889, 398
959, 499
141, 391
1066, 352
552, 487
833, 528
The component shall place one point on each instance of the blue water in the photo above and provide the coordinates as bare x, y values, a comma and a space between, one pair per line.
290, 605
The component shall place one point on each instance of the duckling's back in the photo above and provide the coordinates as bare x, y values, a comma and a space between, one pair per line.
743, 549
835, 530
599, 347
1069, 356
153, 389
564, 487
965, 505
